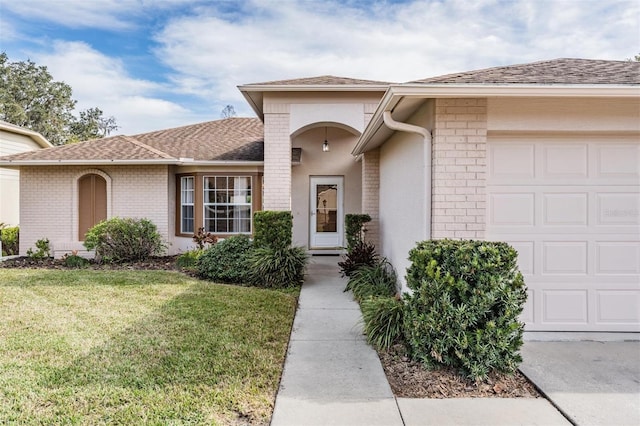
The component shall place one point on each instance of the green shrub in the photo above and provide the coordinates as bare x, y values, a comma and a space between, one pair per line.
10, 238
277, 268
189, 259
43, 250
354, 229
362, 254
124, 240
372, 281
227, 261
75, 261
272, 229
463, 312
383, 321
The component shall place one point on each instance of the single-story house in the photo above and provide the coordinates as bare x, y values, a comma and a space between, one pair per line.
13, 140
545, 156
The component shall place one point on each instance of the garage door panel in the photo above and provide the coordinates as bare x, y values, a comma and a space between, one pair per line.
564, 257
617, 258
512, 209
618, 306
576, 226
512, 161
562, 161
565, 208
618, 208
617, 161
565, 306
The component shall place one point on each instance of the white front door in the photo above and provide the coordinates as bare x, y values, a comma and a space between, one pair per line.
326, 218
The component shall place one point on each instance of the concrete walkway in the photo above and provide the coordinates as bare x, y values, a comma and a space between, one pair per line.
332, 377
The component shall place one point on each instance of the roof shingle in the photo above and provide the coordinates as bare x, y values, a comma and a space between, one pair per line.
231, 139
323, 80
556, 71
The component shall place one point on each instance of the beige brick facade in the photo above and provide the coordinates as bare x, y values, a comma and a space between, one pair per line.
371, 194
277, 162
49, 205
459, 163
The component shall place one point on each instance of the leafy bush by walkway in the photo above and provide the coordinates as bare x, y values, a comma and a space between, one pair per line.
463, 312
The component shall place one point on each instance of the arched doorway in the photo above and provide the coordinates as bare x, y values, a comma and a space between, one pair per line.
92, 202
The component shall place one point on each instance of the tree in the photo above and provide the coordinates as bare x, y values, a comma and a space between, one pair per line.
636, 58
91, 125
228, 111
29, 97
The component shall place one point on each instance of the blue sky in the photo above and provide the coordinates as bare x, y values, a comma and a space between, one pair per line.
157, 64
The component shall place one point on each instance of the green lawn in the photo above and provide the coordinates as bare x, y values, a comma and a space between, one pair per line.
138, 347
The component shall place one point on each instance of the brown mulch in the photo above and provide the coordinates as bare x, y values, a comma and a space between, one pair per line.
167, 263
409, 379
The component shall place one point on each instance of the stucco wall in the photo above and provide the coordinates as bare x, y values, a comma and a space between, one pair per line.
403, 193
11, 143
337, 162
572, 114
49, 205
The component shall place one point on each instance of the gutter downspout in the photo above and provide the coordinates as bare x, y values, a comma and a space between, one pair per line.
426, 136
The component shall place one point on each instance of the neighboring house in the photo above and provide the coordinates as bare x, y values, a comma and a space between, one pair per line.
14, 140
544, 155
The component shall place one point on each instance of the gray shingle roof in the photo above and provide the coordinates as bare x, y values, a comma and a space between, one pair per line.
235, 139
556, 71
323, 80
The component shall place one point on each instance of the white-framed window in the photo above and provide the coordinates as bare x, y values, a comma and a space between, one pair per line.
187, 204
227, 204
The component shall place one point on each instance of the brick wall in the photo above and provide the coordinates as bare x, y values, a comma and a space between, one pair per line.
371, 194
48, 201
459, 163
277, 160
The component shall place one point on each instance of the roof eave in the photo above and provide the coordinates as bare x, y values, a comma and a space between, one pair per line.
180, 162
449, 90
37, 137
396, 92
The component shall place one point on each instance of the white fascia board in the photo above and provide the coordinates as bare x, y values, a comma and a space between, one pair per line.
396, 92
516, 90
37, 137
17, 163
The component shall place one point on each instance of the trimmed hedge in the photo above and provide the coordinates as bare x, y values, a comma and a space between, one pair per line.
10, 238
354, 229
463, 312
227, 261
272, 229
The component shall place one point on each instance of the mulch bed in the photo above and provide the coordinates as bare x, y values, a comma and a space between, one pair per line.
408, 379
166, 263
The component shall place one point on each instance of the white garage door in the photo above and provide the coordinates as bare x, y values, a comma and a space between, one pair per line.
571, 207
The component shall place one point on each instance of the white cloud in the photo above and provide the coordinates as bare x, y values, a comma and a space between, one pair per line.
104, 14
209, 47
211, 54
98, 80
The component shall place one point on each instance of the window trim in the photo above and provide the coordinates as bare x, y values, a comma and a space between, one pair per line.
206, 204
255, 205
183, 203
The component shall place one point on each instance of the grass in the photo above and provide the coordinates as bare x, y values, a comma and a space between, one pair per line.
138, 347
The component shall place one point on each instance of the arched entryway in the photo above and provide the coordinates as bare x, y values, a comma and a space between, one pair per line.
92, 202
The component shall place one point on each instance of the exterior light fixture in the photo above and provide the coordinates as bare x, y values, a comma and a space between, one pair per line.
325, 144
